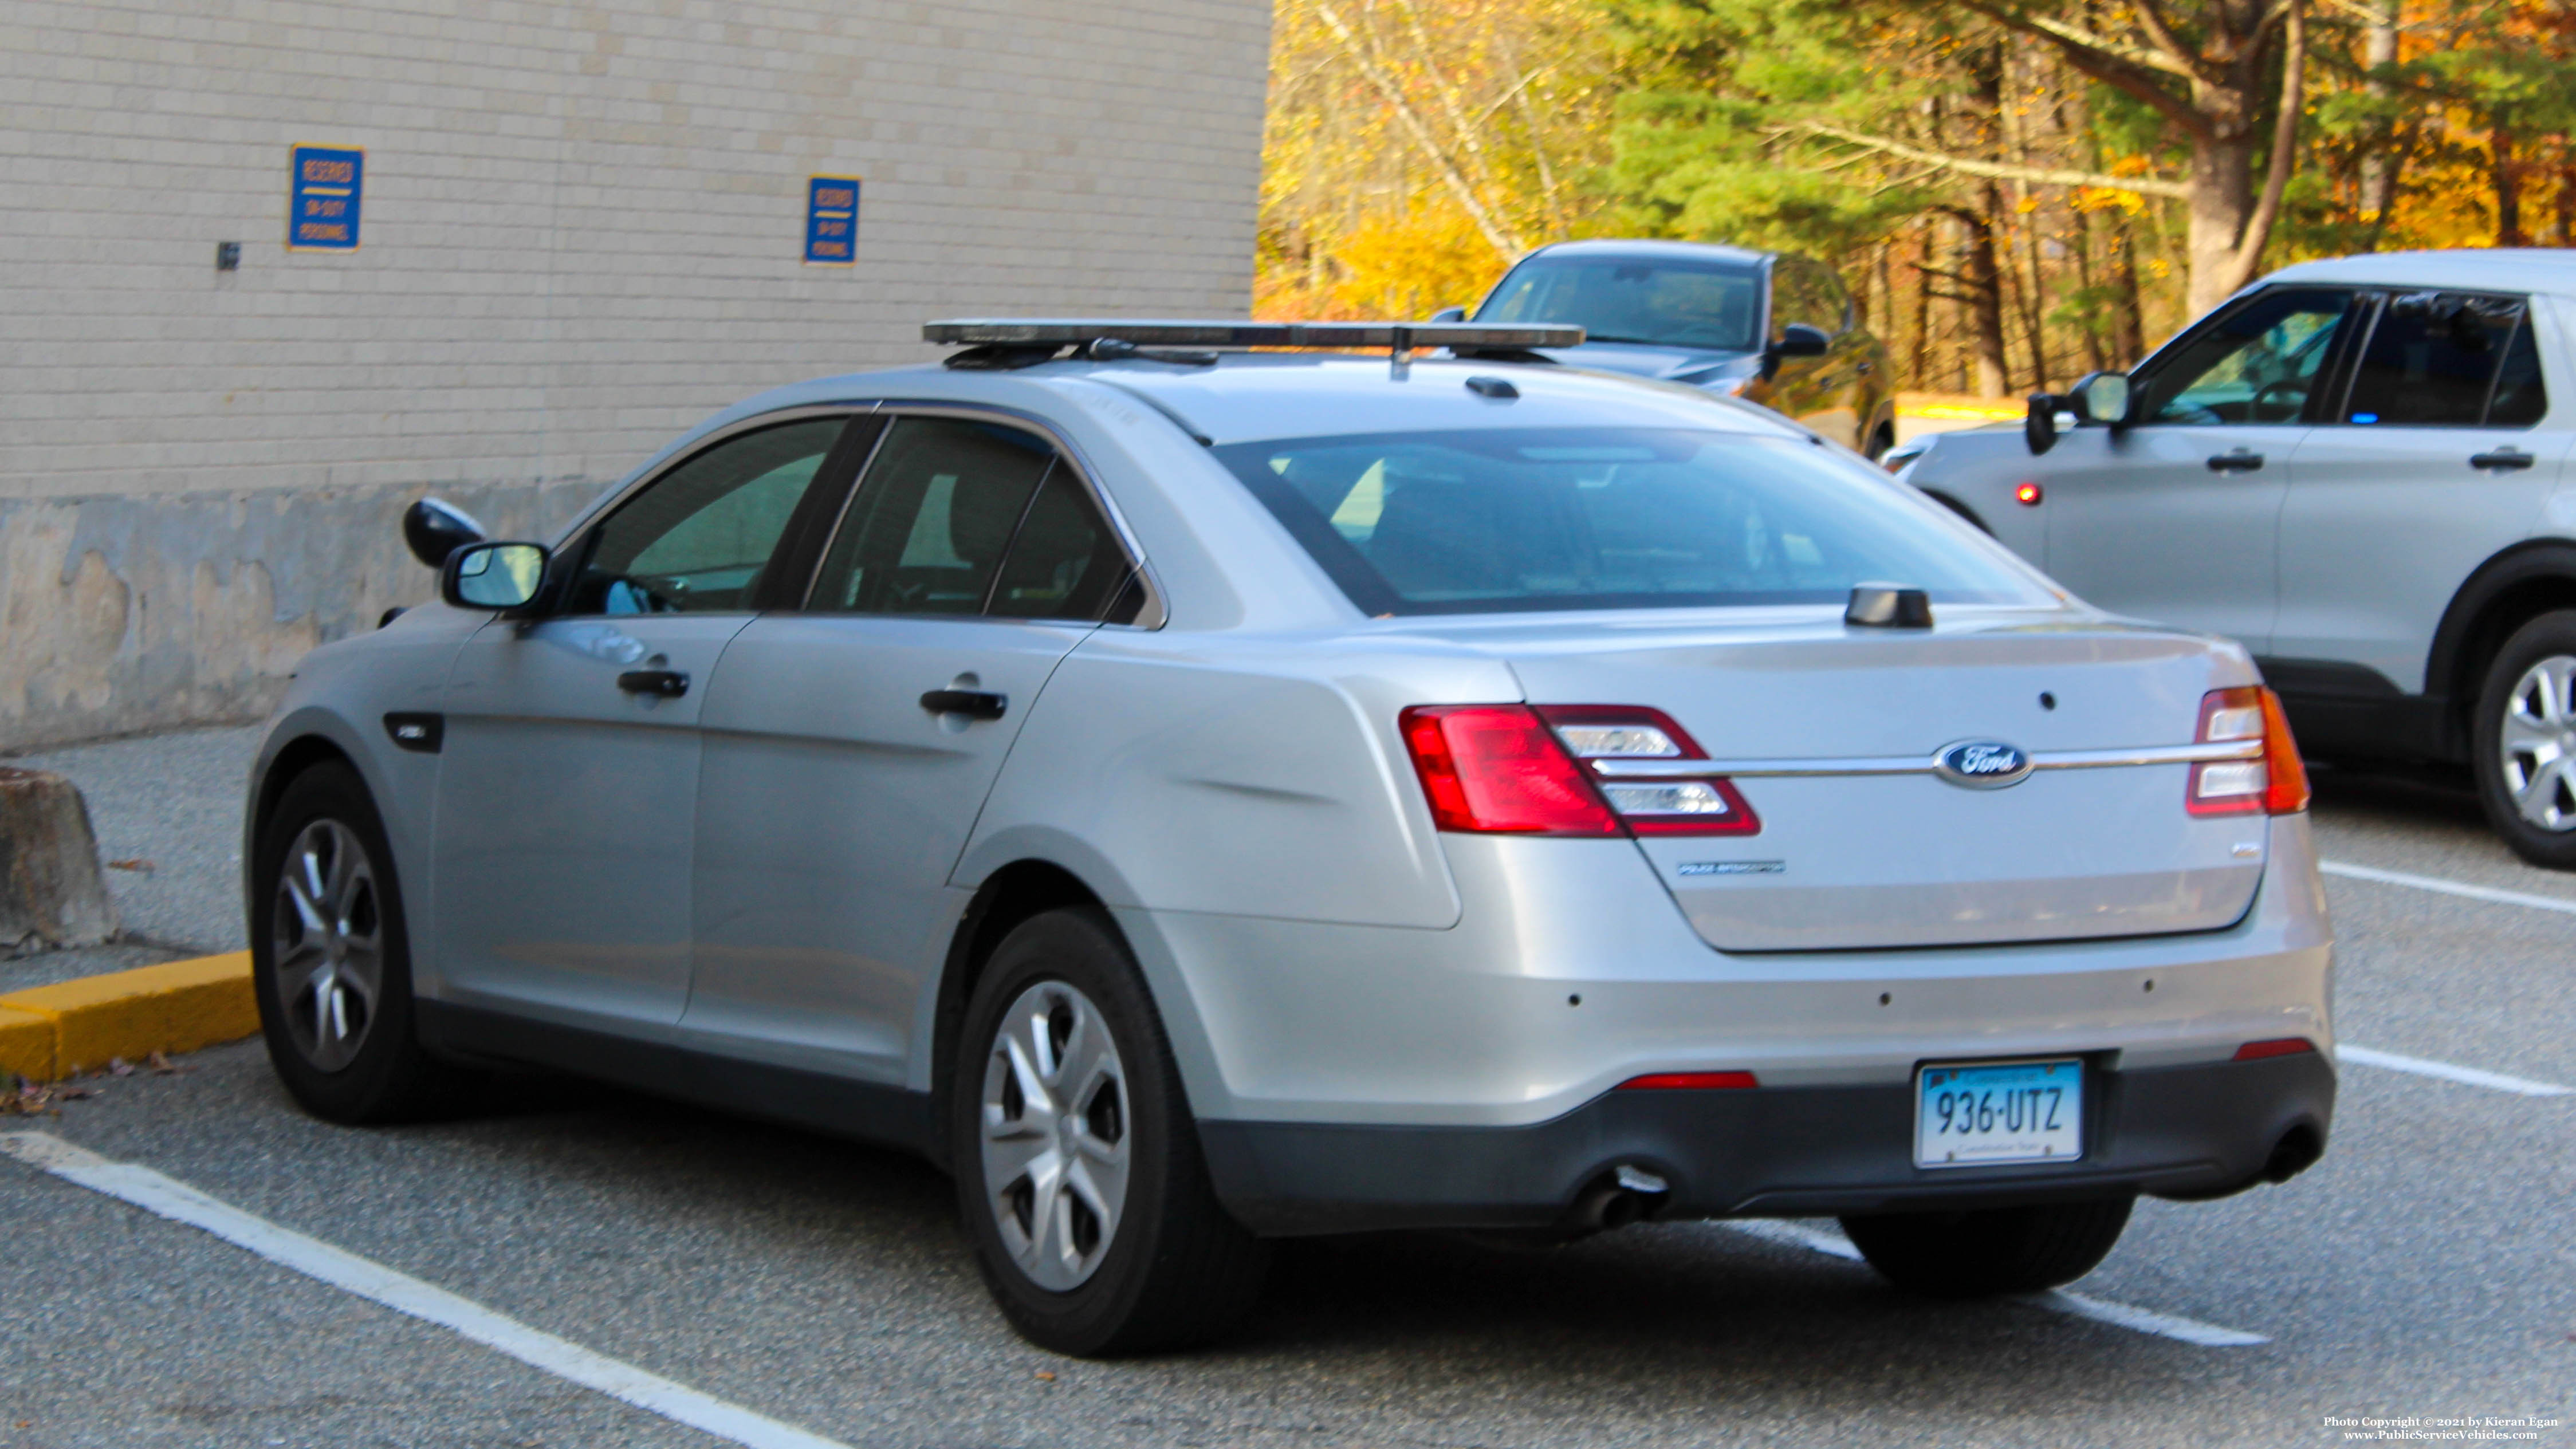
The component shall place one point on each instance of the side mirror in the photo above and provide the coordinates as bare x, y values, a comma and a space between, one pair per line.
501, 576
433, 529
1800, 340
2102, 397
1450, 314
2039, 428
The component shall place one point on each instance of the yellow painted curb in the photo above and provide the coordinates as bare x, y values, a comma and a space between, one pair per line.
177, 1006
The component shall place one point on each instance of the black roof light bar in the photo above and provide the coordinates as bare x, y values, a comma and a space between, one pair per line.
1007, 342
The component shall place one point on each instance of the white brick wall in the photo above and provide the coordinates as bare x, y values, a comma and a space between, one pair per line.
582, 232
583, 220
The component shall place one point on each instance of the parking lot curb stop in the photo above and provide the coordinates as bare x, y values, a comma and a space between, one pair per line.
51, 1032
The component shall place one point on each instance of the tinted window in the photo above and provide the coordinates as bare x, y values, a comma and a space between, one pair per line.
2520, 400
2432, 359
1529, 519
697, 538
932, 518
1064, 562
1673, 303
2257, 364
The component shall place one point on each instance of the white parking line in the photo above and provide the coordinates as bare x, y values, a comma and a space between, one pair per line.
2471, 1075
2073, 1305
2448, 887
314, 1258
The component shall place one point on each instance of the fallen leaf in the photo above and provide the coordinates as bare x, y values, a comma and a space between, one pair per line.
160, 1065
133, 862
119, 1067
1042, 1373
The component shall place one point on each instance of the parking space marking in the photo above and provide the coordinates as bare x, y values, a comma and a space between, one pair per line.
2444, 1070
169, 1198
2447, 887
2073, 1305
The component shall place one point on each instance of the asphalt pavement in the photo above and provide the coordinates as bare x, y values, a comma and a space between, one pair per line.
2424, 1269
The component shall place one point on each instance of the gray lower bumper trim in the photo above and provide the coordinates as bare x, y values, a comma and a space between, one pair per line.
2191, 1131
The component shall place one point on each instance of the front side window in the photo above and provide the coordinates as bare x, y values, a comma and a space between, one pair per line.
1525, 519
2435, 358
1663, 302
698, 538
2257, 364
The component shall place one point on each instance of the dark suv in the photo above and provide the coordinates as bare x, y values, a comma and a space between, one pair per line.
1763, 326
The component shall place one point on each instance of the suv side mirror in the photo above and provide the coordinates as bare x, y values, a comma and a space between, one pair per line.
2102, 397
433, 529
1450, 314
501, 576
1800, 340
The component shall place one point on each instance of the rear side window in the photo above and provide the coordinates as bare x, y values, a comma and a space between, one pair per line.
2436, 358
1504, 520
960, 516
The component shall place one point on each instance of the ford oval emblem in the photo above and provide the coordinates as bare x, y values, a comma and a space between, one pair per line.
1983, 764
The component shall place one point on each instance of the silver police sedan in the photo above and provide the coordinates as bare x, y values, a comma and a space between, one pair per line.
1201, 797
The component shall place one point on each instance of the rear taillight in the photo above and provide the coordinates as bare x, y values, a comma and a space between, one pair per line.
1495, 769
2279, 1046
1508, 769
1671, 801
2272, 782
1688, 1082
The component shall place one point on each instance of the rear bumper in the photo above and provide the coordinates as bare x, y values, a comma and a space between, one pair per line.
2180, 1131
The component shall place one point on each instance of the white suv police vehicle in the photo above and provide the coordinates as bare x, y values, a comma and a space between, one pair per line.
2355, 469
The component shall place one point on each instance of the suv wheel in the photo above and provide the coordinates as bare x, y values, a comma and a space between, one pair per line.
331, 964
1990, 1251
2524, 745
1077, 1161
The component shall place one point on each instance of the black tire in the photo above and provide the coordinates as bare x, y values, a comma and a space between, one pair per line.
2551, 636
1175, 1270
1992, 1250
372, 1070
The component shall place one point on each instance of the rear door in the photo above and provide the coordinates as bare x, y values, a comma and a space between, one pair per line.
851, 742
2176, 518
567, 785
2433, 463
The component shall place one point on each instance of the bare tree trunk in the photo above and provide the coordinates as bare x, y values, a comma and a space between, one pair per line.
2566, 199
2507, 172
1985, 298
2381, 162
1918, 362
2128, 325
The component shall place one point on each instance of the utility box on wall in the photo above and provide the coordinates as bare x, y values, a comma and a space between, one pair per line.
517, 257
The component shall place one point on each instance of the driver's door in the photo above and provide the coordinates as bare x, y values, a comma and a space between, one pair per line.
568, 778
2176, 517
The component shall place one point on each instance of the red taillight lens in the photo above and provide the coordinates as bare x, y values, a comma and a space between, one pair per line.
2273, 782
1686, 1082
1497, 769
1676, 803
2281, 1046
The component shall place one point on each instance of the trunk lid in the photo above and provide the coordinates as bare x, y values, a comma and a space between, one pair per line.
1857, 857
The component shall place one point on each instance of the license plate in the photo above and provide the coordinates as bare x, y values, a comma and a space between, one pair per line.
1977, 1115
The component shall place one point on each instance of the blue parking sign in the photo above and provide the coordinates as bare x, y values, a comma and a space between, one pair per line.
325, 185
832, 220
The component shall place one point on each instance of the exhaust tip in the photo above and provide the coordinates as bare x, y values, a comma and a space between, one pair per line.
1626, 1193
2296, 1152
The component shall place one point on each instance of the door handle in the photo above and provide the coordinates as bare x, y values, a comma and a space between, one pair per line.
663, 683
2239, 460
2502, 460
972, 703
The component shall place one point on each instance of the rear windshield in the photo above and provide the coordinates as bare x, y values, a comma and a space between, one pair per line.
1516, 520
1669, 303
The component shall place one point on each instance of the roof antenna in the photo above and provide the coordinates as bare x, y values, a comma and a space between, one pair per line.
1399, 355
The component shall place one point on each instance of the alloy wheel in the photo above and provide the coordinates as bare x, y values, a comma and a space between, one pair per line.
1055, 1135
2539, 746
328, 930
